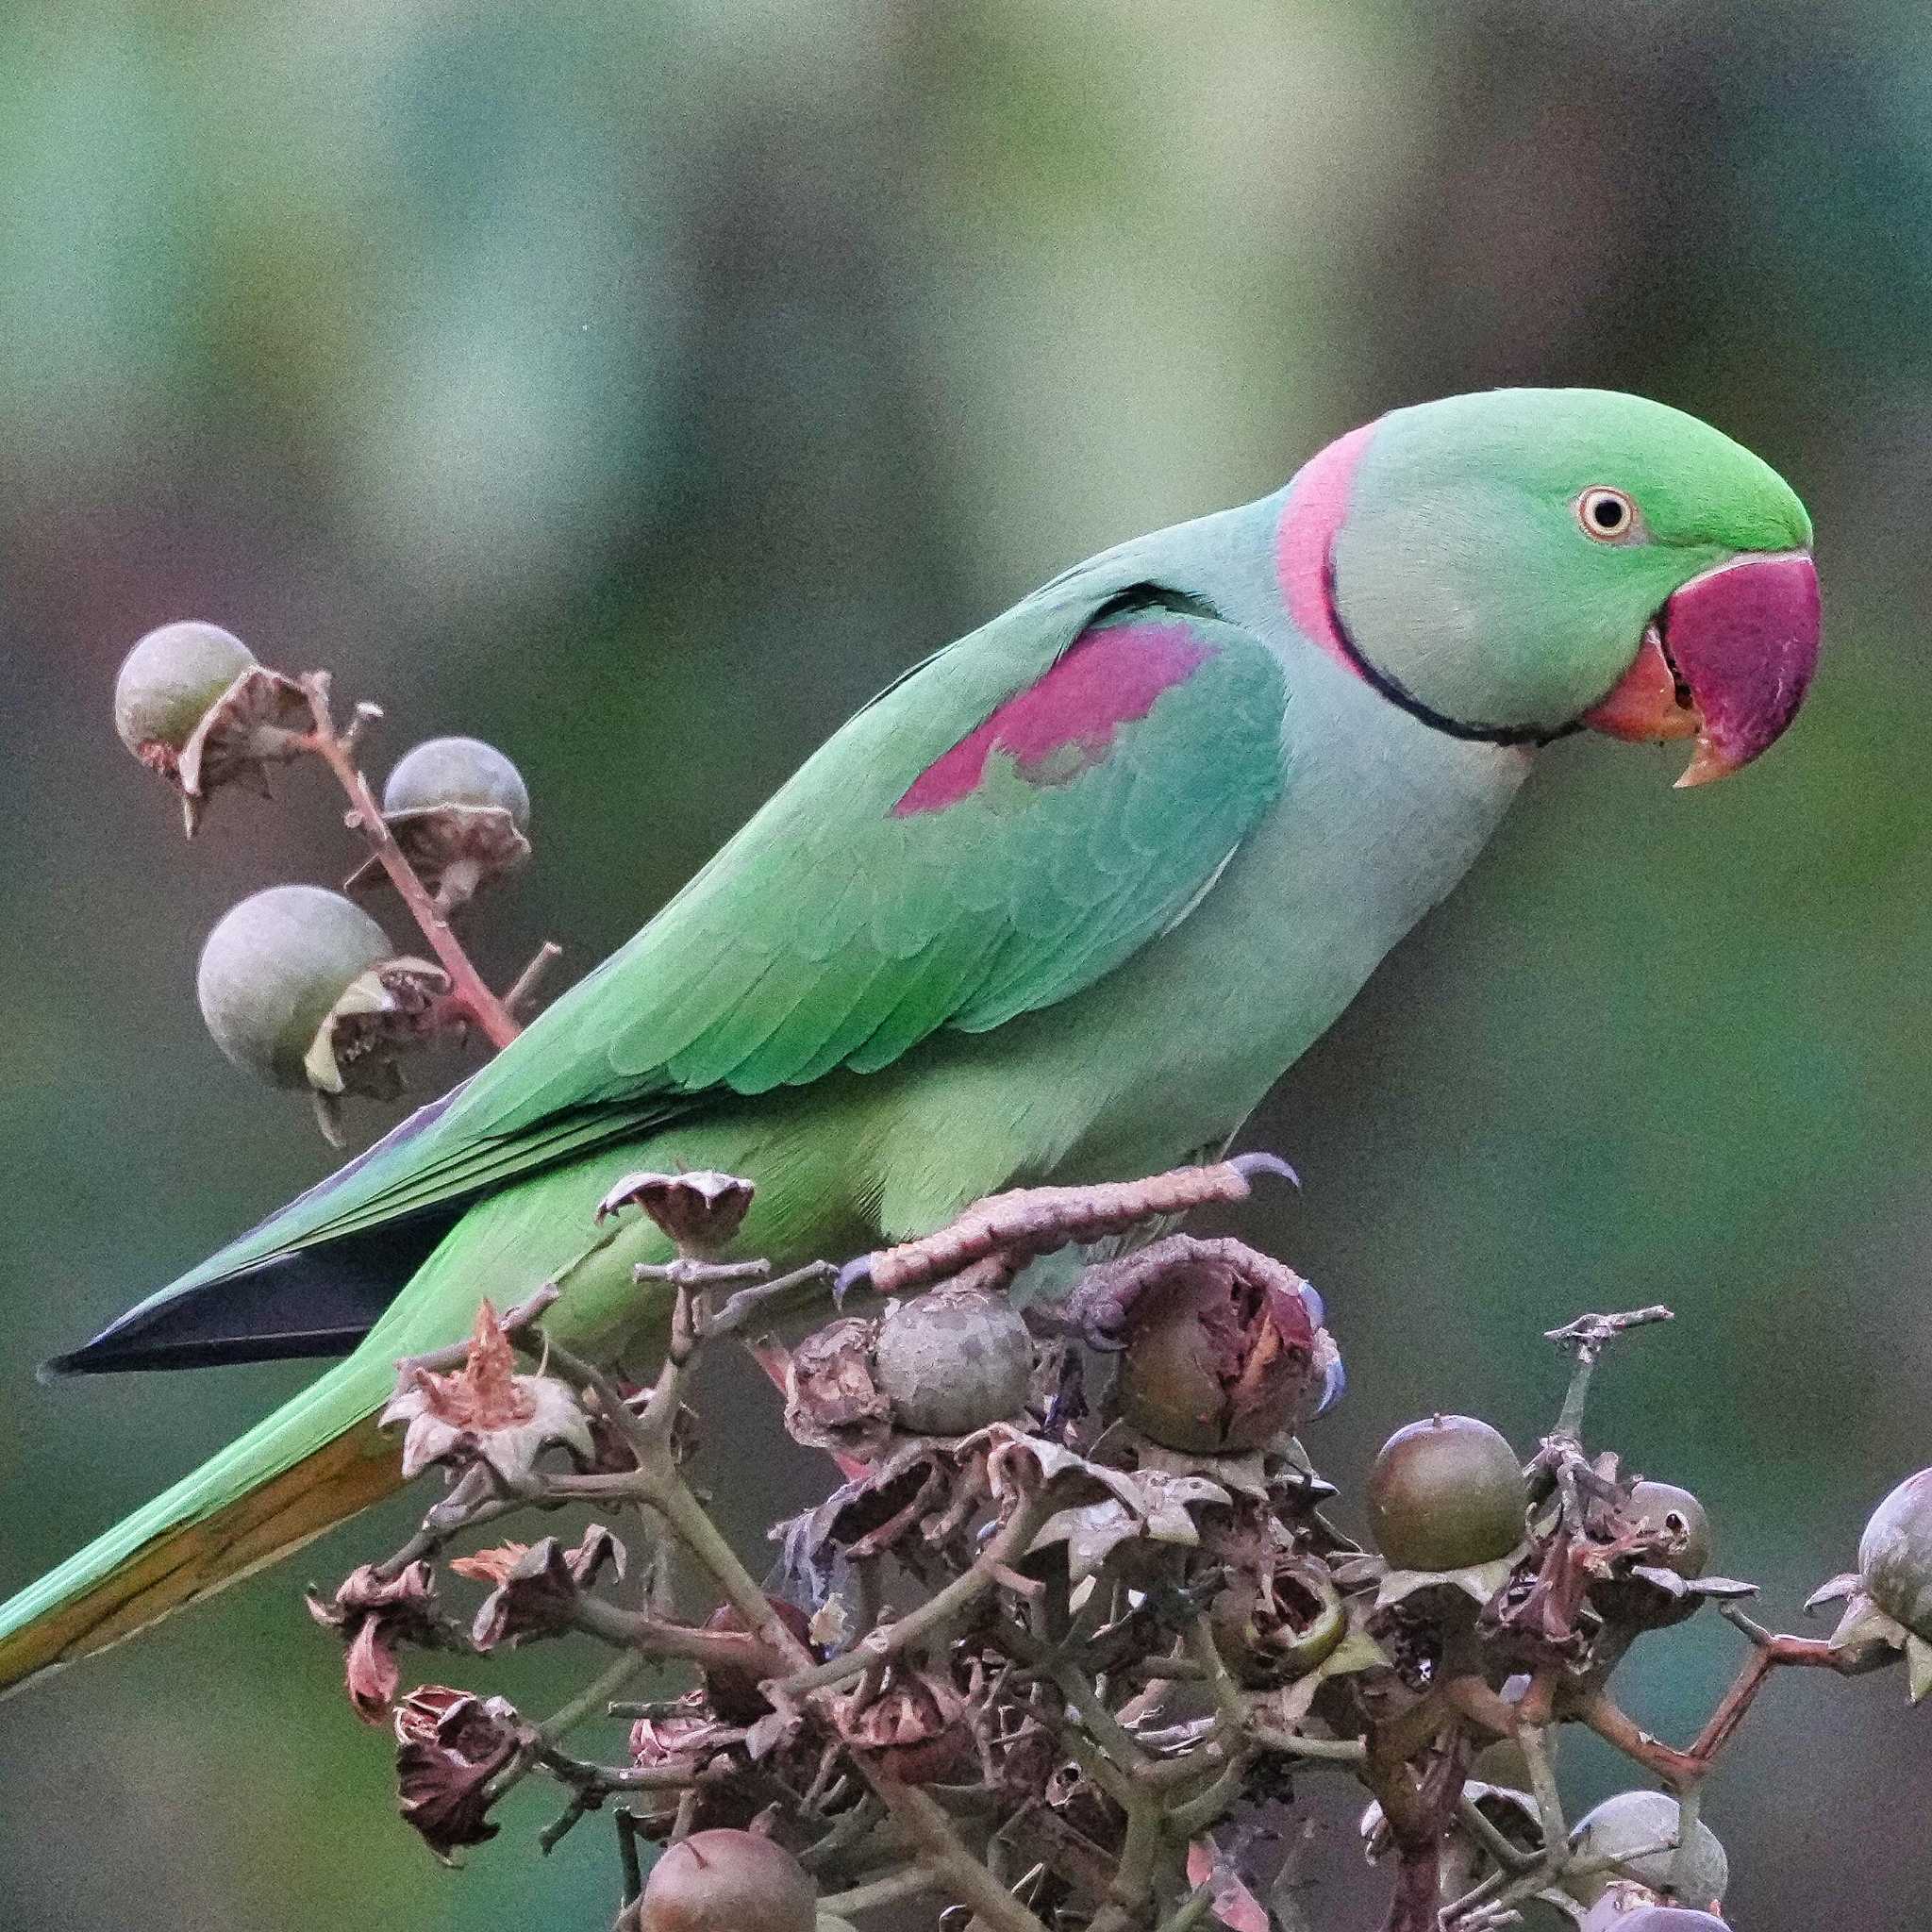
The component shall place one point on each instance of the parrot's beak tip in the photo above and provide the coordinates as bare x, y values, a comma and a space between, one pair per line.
1706, 764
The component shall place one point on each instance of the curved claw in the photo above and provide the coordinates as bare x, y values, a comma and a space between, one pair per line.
855, 1273
1249, 1165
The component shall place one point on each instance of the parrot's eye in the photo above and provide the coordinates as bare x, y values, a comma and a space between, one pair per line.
1606, 514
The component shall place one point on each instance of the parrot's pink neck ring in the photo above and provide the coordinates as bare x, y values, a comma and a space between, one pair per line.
1311, 519
1304, 543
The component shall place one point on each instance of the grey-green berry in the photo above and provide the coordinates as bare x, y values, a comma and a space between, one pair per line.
952, 1360
273, 968
1629, 1827
171, 678
459, 771
1681, 1515
1895, 1554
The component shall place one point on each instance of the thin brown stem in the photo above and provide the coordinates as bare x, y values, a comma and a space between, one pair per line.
336, 750
958, 1871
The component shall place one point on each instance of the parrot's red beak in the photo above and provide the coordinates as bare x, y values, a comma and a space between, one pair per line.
1726, 662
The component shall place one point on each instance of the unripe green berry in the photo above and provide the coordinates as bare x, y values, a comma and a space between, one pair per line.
1444, 1495
952, 1361
728, 1881
460, 772
169, 680
1627, 1827
1895, 1554
274, 966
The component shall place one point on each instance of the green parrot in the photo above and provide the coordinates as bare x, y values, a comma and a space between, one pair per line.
1060, 905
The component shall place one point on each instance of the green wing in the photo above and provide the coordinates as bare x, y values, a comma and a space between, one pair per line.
1129, 741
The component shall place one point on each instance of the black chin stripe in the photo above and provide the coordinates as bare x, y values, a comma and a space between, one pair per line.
1404, 699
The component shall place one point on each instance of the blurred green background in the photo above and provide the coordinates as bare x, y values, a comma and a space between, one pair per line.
639, 387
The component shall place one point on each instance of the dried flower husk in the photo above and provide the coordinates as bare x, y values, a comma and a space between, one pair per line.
449, 1746
375, 1617
732, 1690
914, 1723
832, 1397
1281, 1624
537, 1585
700, 1211
485, 1410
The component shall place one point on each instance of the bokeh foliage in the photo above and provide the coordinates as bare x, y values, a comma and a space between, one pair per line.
639, 388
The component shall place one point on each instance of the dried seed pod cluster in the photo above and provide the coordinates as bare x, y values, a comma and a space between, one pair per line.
296, 983
1091, 1632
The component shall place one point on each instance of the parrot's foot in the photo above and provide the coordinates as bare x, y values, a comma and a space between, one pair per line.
1006, 1231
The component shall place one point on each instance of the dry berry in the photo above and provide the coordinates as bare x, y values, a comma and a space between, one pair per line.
952, 1361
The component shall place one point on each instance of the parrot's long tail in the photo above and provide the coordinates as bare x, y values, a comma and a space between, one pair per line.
315, 1461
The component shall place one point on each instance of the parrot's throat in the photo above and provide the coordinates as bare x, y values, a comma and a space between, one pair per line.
1304, 563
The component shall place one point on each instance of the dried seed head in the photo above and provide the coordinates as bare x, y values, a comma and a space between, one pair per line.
273, 969
457, 772
952, 1360
1222, 1353
449, 1747
168, 682
726, 1881
1445, 1493
1629, 1827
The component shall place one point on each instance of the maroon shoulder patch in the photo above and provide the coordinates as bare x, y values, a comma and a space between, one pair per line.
1109, 676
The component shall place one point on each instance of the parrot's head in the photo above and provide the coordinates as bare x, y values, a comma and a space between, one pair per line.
1515, 564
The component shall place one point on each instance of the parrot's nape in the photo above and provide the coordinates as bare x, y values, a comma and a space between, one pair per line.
1062, 904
